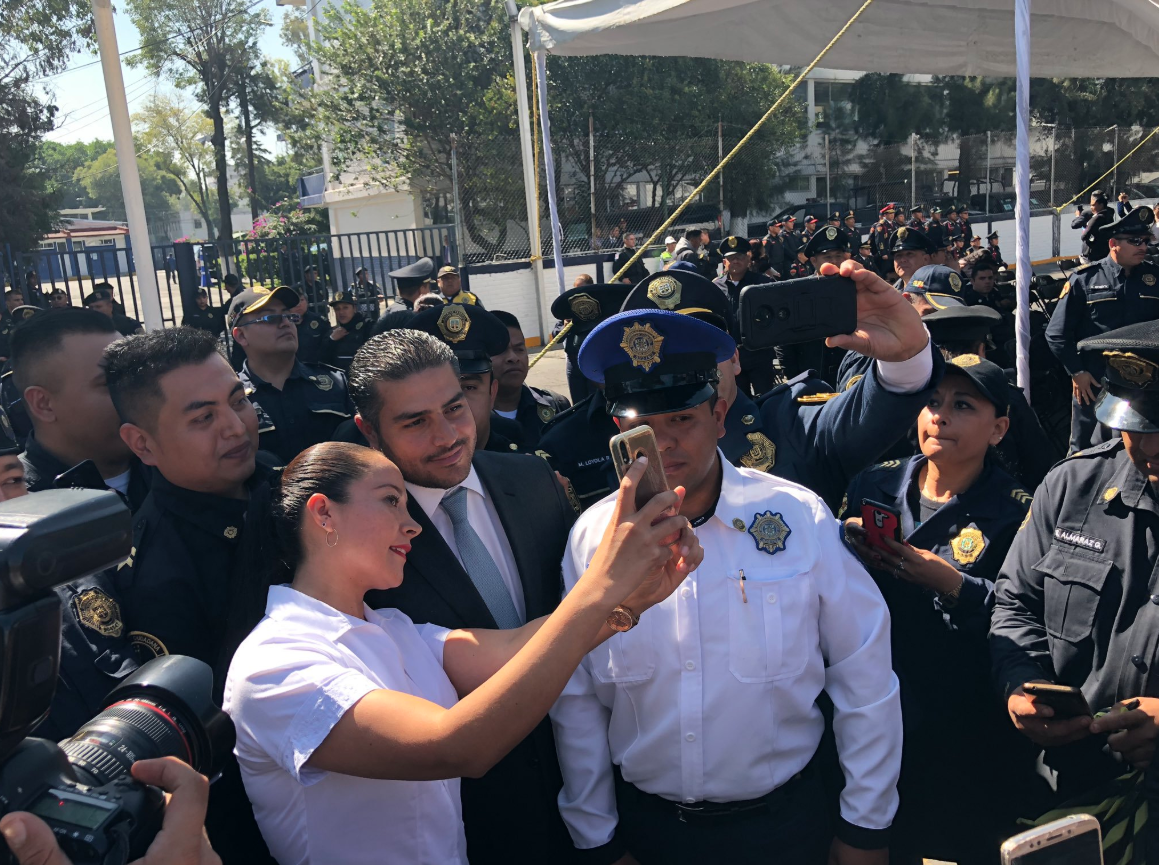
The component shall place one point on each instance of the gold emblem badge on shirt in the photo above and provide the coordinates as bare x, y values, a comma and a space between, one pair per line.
147, 646
98, 612
762, 456
322, 382
642, 345
770, 532
967, 546
545, 413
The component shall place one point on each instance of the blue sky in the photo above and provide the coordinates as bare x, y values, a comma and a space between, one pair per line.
80, 93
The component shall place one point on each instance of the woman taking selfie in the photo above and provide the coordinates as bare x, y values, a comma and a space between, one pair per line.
965, 772
354, 725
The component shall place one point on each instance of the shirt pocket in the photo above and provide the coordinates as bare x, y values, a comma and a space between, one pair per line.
769, 625
628, 657
1071, 589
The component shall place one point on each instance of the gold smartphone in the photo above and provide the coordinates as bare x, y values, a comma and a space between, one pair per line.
627, 447
1074, 840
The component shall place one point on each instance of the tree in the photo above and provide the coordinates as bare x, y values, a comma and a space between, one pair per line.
60, 163
200, 43
102, 182
295, 34
177, 132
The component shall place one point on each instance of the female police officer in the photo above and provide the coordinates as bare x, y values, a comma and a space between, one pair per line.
959, 511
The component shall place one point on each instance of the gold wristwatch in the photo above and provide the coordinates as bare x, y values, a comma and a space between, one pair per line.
949, 600
622, 619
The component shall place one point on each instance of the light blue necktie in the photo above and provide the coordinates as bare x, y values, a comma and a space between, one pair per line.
480, 567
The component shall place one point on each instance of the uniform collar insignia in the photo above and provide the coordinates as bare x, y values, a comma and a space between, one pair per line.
642, 345
770, 532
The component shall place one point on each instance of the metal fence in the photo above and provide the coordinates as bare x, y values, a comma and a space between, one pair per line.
256, 261
608, 186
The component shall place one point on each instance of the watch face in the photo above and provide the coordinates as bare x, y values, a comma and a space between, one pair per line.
620, 620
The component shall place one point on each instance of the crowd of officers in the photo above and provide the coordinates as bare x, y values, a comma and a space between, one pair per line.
805, 690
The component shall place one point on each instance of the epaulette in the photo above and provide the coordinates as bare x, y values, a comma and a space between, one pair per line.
816, 398
1089, 266
888, 464
1097, 450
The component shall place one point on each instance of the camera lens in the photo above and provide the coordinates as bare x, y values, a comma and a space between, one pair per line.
164, 709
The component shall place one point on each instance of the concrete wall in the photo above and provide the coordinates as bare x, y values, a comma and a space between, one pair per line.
380, 211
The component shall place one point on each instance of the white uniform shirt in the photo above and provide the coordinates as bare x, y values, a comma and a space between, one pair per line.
713, 698
485, 521
292, 679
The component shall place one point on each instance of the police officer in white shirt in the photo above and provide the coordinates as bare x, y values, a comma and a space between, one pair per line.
690, 737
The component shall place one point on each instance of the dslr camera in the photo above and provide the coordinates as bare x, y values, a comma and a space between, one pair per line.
82, 787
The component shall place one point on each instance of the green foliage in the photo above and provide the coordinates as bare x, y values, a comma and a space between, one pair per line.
102, 183
60, 162
27, 202
38, 36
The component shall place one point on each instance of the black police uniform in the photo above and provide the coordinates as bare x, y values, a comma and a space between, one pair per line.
775, 253
996, 253
757, 371
315, 292
313, 337
584, 306
955, 727
1095, 245
6, 328
366, 295
936, 231
866, 261
1077, 603
42, 467
306, 411
504, 437
340, 352
211, 319
537, 407
634, 273
1099, 297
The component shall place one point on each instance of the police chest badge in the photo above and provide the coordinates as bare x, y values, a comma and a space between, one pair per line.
584, 307
1132, 368
770, 532
762, 456
967, 546
454, 323
322, 382
545, 413
1148, 279
664, 292
642, 345
97, 611
831, 233
314, 324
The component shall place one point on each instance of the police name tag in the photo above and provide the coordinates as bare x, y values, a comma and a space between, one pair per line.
1076, 539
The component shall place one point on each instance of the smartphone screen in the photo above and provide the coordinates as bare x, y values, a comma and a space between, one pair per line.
1084, 848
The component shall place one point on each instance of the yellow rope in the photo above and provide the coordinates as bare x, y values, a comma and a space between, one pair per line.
1060, 208
712, 176
537, 252
716, 171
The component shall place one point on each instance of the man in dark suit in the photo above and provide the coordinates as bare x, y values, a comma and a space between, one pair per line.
494, 530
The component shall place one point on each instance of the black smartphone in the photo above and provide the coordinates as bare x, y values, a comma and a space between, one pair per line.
797, 310
83, 476
1067, 702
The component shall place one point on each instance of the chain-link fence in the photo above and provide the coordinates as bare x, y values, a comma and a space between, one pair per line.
609, 187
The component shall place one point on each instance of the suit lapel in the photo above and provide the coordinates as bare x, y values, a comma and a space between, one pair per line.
431, 560
512, 514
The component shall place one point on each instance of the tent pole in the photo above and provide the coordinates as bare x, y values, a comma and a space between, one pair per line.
549, 171
1022, 190
523, 108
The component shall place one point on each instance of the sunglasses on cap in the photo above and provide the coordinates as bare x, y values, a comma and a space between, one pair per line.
275, 318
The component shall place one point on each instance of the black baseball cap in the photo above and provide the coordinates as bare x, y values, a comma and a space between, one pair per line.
254, 299
987, 377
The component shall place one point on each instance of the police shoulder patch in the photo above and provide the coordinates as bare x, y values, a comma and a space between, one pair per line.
1022, 497
147, 646
888, 464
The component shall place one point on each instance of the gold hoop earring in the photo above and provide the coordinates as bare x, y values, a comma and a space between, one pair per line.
333, 532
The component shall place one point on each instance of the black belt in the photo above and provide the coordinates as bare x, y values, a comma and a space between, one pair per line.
711, 811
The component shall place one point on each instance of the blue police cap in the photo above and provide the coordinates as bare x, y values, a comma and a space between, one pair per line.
1130, 397
654, 361
940, 285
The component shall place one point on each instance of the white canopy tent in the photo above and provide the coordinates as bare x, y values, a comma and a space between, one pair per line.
1110, 38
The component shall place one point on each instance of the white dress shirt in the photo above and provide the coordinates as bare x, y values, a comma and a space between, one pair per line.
713, 695
292, 679
907, 376
484, 520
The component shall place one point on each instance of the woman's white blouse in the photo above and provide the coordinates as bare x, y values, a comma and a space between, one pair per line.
293, 678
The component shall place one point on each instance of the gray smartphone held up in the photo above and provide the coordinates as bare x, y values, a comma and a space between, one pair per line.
1074, 840
627, 447
797, 310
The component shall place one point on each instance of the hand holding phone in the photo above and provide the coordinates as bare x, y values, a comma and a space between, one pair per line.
629, 446
1066, 701
879, 522
797, 310
1073, 840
